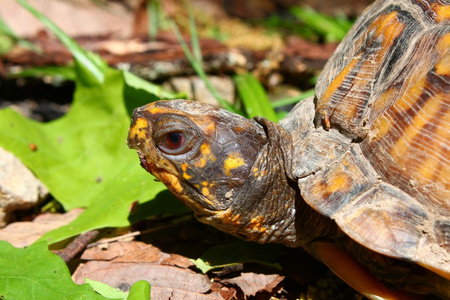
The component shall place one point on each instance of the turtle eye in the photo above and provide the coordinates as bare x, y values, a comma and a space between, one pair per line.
174, 140
174, 135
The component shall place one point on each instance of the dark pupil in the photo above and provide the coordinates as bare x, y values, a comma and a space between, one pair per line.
174, 140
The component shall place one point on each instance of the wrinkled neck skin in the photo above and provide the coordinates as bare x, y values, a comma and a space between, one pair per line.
269, 208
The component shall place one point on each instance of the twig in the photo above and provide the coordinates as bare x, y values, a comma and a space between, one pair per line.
77, 245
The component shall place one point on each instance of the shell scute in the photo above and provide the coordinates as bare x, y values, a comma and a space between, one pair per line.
385, 91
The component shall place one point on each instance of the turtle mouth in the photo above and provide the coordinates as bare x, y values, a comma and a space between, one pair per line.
183, 190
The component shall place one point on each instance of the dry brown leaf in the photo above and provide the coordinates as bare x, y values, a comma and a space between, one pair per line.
252, 283
21, 234
134, 252
167, 281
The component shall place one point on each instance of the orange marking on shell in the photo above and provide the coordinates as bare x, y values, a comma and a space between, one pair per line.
339, 183
429, 167
389, 27
443, 46
346, 106
338, 80
442, 12
326, 119
420, 119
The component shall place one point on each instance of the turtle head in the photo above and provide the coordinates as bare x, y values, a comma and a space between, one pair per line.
220, 164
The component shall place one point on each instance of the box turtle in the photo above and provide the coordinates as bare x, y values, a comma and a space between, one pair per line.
358, 176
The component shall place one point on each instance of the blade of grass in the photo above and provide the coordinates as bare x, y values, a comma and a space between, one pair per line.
5, 29
194, 39
153, 22
93, 64
293, 100
64, 72
333, 29
198, 68
254, 97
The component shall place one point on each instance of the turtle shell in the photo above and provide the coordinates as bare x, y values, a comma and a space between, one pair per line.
375, 155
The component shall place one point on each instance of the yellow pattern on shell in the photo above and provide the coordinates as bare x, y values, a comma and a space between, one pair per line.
443, 66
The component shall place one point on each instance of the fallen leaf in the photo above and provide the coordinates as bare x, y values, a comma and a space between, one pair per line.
167, 281
134, 252
21, 234
252, 283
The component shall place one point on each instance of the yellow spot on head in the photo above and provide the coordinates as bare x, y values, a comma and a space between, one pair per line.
210, 128
205, 149
200, 163
205, 192
157, 110
206, 155
233, 161
139, 129
171, 181
184, 167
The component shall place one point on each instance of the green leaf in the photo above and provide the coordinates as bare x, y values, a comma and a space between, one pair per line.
91, 63
83, 158
116, 213
254, 97
34, 273
106, 290
239, 252
140, 290
73, 152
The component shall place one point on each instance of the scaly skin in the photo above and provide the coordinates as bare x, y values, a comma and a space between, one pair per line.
233, 172
236, 175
